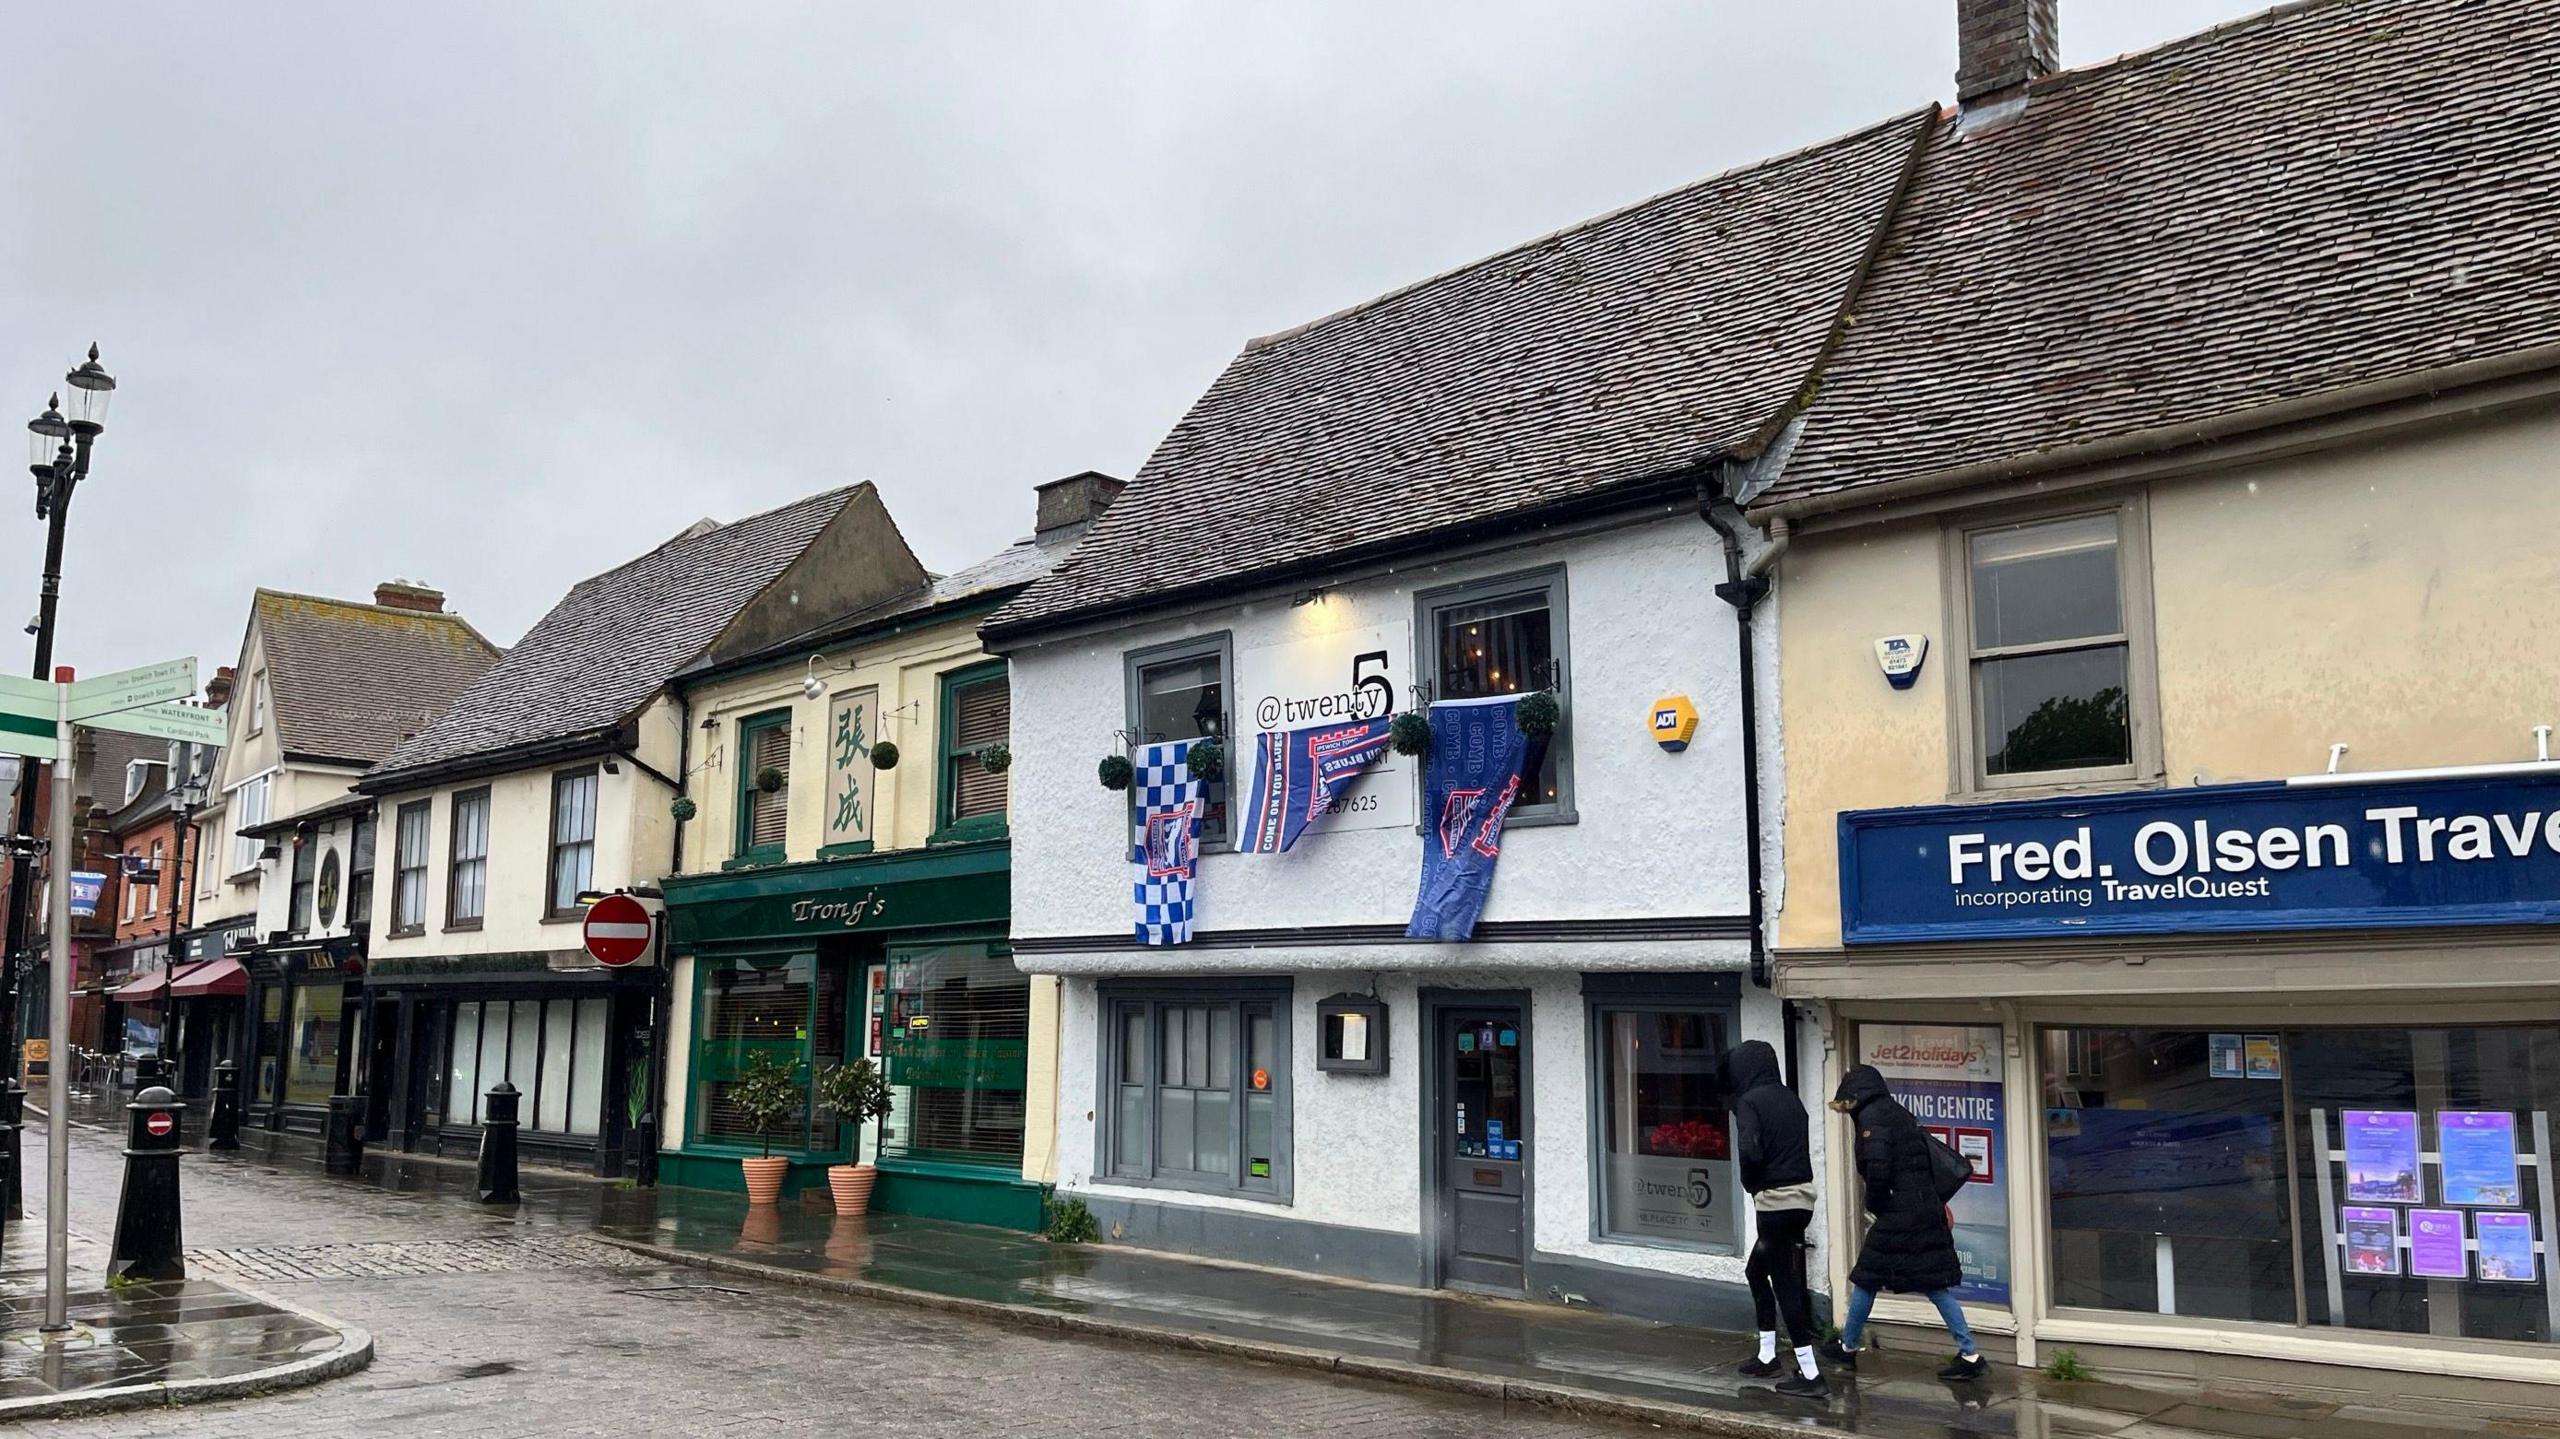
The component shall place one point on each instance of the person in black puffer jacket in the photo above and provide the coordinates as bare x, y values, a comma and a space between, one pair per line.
1911, 1248
1773, 1148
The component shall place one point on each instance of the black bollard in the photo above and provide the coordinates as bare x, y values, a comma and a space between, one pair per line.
224, 1131
498, 1145
148, 1244
344, 1150
648, 1129
13, 1128
146, 1072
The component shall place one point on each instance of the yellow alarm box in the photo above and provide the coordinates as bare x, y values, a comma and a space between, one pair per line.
1675, 722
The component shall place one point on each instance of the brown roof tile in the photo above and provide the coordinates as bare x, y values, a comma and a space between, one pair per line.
349, 681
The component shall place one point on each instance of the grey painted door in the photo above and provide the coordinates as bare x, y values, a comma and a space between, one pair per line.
1481, 1133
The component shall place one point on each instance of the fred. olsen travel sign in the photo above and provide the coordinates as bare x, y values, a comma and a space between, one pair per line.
2280, 856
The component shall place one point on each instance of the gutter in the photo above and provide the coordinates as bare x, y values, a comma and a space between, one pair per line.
603, 740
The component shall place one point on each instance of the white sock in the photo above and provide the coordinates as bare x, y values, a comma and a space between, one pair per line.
1804, 1362
1768, 1345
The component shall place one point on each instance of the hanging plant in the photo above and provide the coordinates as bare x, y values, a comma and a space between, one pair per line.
1538, 714
1207, 759
884, 755
1410, 733
1115, 771
771, 779
996, 758
683, 808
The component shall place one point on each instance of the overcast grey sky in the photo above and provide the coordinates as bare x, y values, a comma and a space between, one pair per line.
496, 296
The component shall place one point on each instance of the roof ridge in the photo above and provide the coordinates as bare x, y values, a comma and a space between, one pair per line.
1919, 114
719, 528
2097, 70
455, 617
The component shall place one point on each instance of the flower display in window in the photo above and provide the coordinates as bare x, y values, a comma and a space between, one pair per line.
1687, 1139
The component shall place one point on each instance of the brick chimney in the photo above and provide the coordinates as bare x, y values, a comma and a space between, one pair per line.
217, 690
2002, 47
1068, 505
403, 595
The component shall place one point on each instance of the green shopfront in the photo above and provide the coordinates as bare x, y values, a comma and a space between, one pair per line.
901, 957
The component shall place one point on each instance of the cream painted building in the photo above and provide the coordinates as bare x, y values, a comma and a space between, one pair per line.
2166, 681
846, 893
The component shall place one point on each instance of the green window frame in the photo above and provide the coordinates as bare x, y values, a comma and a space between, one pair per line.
823, 1032
950, 791
751, 801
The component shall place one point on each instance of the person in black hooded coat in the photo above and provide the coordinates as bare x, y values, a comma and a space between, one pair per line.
1911, 1246
1773, 1148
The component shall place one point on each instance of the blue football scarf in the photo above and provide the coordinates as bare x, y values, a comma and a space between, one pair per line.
1477, 752
1297, 773
1164, 852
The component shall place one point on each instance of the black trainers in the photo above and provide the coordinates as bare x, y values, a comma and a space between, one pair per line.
1802, 1387
1758, 1368
1960, 1368
1834, 1352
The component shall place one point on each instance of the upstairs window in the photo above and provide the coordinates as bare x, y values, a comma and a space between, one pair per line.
764, 752
1180, 692
466, 896
360, 871
1506, 637
2054, 680
409, 869
248, 809
573, 840
151, 891
306, 858
977, 712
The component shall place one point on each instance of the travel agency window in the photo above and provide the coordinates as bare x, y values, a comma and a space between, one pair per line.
977, 714
791, 1009
2390, 1180
1664, 1137
764, 787
573, 842
1506, 636
1196, 1087
2055, 615
466, 896
955, 1042
551, 1050
409, 868
1178, 692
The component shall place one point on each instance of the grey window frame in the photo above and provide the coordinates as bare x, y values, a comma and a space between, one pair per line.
1965, 777
1220, 643
1281, 995
1708, 993
1427, 605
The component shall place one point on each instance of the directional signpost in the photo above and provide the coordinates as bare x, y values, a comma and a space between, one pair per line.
26, 717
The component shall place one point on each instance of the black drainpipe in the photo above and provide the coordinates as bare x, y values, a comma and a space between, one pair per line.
1744, 593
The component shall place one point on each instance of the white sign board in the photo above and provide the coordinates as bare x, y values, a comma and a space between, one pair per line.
132, 689
1329, 679
853, 719
169, 721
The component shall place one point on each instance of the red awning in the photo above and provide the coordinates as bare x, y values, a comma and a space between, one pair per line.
218, 977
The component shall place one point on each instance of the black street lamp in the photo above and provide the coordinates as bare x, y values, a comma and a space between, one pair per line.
58, 456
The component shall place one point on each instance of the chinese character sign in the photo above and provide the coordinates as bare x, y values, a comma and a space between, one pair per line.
851, 722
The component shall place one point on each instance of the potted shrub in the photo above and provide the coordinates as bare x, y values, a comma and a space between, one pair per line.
858, 1095
767, 1094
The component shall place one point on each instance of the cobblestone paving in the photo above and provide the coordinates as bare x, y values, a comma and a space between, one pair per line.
543, 1335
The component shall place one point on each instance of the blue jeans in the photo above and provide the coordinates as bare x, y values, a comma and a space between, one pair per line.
1862, 1302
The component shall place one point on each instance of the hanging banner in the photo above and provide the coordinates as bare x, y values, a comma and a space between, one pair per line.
852, 719
1165, 852
1471, 780
1948, 1076
1299, 777
1327, 682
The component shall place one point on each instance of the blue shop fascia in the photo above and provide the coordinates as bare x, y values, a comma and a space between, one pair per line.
2249, 1068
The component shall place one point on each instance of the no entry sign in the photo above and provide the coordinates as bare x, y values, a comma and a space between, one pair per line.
617, 930
158, 1124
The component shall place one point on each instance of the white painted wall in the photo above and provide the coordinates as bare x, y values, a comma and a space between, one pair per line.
1659, 834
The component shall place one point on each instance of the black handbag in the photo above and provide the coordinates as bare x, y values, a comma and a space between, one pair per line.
1949, 1170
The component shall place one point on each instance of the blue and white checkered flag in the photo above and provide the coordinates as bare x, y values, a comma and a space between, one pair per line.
1165, 848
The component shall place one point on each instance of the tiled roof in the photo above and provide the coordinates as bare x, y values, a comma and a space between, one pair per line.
613, 641
1007, 570
2338, 194
1665, 335
347, 682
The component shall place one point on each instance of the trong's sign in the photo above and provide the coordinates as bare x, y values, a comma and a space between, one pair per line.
2298, 855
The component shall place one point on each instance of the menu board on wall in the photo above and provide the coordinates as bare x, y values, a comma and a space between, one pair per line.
2373, 1240
2506, 1246
2382, 1156
2435, 1244
1948, 1076
2479, 1153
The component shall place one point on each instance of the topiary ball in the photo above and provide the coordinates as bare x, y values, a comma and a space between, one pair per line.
884, 755
1208, 760
1115, 771
996, 758
771, 779
684, 807
1410, 733
1538, 714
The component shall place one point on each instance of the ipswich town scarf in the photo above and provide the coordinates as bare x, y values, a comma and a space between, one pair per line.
1165, 852
1297, 773
1473, 777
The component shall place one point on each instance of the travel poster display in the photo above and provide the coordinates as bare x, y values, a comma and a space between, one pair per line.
2382, 1156
2373, 1240
2435, 1244
2479, 1153
2506, 1246
1948, 1076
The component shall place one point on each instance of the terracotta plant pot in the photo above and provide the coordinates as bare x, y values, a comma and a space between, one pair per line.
764, 1178
852, 1185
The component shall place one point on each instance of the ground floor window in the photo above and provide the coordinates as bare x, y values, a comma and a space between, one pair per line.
311, 1043
2386, 1179
551, 1050
955, 1039
270, 1052
790, 1009
1196, 1087
1666, 1149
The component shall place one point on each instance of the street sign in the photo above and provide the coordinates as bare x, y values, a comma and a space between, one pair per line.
132, 689
618, 930
17, 691
159, 1123
29, 737
187, 722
